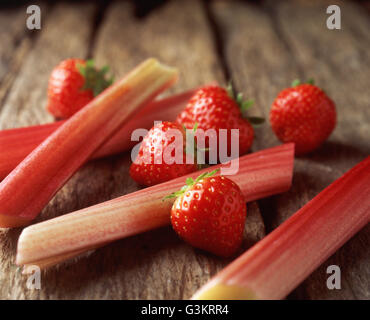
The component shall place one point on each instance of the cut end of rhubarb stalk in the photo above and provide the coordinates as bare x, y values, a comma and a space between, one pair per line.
221, 291
152, 70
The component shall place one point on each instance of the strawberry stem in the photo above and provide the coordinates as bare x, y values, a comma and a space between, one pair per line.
310, 81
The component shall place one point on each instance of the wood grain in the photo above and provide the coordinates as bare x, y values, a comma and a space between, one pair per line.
262, 47
177, 33
292, 41
155, 265
342, 67
65, 34
25, 105
15, 45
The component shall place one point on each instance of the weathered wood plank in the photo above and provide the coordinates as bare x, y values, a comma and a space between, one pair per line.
175, 33
65, 33
12, 30
265, 48
15, 44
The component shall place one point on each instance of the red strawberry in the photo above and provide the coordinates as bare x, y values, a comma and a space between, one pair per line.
146, 169
303, 114
212, 107
210, 213
73, 84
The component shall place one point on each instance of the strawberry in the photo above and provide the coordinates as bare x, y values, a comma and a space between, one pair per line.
303, 114
73, 84
209, 213
213, 107
147, 170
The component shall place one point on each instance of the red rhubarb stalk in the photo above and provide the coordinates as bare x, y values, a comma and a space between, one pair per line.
273, 267
16, 144
260, 174
31, 185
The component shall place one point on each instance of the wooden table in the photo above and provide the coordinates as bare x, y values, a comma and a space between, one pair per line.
261, 46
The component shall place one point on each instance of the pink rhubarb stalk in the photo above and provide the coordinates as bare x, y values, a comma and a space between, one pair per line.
273, 267
260, 174
31, 185
16, 144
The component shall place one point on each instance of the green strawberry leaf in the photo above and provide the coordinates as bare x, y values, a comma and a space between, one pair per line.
189, 183
297, 82
310, 81
95, 79
202, 176
244, 105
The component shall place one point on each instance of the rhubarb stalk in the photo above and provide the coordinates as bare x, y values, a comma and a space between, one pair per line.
260, 174
273, 267
16, 144
31, 185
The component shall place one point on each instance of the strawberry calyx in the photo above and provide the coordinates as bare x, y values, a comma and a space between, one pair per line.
191, 149
95, 79
244, 105
297, 82
191, 182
